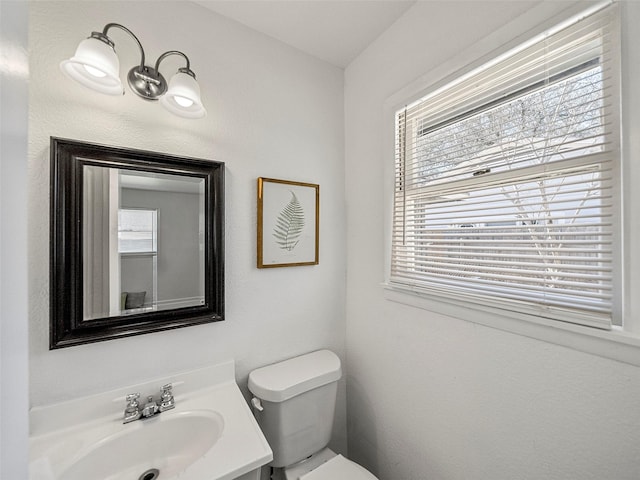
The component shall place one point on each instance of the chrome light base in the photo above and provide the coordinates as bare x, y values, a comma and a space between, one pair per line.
146, 82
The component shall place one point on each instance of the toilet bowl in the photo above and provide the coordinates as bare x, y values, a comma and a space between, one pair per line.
294, 404
327, 465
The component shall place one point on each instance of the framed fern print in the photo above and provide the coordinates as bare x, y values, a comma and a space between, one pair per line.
288, 223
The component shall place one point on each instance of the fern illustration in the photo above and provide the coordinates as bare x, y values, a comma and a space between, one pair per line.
289, 224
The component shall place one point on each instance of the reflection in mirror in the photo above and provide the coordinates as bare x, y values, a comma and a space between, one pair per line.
143, 242
137, 242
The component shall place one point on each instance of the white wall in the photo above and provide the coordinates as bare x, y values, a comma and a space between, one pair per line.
432, 397
273, 112
14, 75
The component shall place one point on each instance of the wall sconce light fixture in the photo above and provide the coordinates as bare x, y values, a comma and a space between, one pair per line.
96, 65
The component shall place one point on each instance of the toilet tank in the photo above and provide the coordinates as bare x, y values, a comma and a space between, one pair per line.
297, 397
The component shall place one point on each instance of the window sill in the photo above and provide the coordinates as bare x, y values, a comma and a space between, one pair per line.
613, 344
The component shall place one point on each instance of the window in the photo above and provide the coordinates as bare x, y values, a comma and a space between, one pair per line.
137, 231
507, 181
138, 248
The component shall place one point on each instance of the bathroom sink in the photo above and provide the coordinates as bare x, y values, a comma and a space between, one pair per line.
210, 434
160, 447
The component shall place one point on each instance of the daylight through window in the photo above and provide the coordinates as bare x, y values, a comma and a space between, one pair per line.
137, 230
506, 180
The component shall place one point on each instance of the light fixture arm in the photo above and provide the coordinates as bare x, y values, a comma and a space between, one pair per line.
144, 81
122, 27
186, 69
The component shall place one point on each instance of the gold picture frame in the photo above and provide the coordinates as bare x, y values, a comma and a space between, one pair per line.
288, 223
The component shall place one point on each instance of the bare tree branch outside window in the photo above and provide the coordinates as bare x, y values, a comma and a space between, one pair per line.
543, 224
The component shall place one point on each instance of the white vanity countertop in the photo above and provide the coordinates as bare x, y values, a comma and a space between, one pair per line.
63, 433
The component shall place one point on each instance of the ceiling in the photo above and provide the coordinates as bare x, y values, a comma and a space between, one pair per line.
335, 31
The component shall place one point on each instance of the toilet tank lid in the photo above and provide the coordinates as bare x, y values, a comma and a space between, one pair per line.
286, 379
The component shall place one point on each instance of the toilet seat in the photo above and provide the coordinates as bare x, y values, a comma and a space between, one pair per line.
339, 468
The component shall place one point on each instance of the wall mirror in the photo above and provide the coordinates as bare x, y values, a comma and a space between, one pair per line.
136, 242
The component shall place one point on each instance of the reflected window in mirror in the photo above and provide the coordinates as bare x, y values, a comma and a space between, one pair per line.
137, 231
138, 255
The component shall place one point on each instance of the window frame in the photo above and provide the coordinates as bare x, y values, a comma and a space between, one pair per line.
154, 232
620, 343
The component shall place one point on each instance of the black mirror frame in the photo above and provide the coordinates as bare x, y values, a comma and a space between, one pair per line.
67, 327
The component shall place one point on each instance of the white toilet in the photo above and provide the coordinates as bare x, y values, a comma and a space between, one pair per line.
294, 403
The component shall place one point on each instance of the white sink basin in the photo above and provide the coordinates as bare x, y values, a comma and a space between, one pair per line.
163, 446
209, 435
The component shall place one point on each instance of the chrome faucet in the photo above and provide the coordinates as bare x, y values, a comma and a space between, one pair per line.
150, 408
132, 411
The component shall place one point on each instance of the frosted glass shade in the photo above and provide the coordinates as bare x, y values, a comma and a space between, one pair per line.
183, 97
95, 65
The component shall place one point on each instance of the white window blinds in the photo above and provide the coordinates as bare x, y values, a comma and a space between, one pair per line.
506, 180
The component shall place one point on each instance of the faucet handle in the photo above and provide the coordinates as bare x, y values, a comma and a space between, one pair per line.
132, 400
131, 411
166, 398
166, 390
